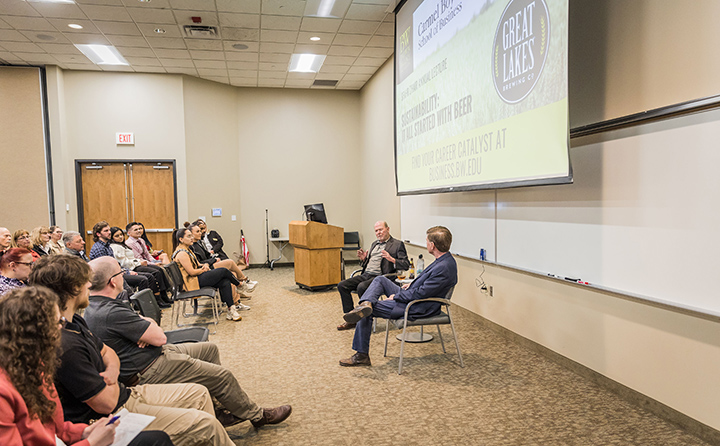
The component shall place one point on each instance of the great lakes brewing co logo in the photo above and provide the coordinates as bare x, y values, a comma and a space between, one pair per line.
520, 48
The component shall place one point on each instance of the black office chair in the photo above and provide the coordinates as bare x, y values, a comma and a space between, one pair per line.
181, 295
443, 318
351, 243
146, 303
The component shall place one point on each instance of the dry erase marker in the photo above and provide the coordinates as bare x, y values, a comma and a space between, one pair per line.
113, 420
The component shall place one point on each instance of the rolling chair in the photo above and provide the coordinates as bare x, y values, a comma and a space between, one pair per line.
145, 301
444, 318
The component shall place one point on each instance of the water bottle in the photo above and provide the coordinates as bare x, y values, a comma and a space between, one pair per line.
420, 265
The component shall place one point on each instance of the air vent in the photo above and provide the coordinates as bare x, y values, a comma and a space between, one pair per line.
324, 83
201, 32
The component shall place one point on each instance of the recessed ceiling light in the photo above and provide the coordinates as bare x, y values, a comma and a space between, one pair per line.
240, 46
315, 38
160, 31
102, 54
75, 26
306, 63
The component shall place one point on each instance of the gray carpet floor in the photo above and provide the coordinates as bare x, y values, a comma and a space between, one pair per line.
286, 351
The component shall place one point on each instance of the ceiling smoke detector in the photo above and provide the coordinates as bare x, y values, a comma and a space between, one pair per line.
201, 31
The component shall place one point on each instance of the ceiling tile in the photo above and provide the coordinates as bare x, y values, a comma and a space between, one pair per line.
382, 42
111, 13
29, 23
62, 26
350, 85
172, 54
377, 52
385, 29
125, 68
239, 20
73, 58
161, 4
81, 66
22, 47
177, 63
153, 16
45, 37
188, 71
270, 35
267, 47
4, 25
12, 36
17, 8
36, 58
199, 5
167, 43
241, 57
135, 52
320, 24
252, 47
143, 61
339, 60
311, 49
243, 82
273, 66
362, 70
212, 71
302, 75
118, 28
59, 48
204, 44
351, 39
184, 17
339, 69
284, 7
272, 74
88, 39
298, 83
246, 6
214, 64
59, 10
100, 2
366, 12
238, 65
325, 38
271, 83
356, 77
370, 61
219, 79
135, 41
148, 69
280, 22
275, 58
240, 34
207, 55
358, 27
345, 50
243, 73
171, 31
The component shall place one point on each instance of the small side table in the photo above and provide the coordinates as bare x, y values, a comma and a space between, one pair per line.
282, 242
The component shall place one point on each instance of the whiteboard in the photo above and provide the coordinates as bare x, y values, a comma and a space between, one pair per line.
642, 218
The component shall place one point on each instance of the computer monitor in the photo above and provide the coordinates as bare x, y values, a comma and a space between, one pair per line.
315, 212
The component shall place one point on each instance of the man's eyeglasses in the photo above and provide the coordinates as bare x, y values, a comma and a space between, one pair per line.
113, 276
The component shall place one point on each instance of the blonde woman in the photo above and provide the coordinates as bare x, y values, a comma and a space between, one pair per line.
40, 238
56, 245
21, 239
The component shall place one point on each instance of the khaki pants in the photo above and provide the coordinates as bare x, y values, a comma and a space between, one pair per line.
199, 362
184, 411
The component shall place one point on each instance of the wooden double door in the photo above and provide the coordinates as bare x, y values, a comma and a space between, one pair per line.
120, 192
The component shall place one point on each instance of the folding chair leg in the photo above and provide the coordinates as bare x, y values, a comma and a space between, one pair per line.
441, 339
402, 348
452, 325
387, 333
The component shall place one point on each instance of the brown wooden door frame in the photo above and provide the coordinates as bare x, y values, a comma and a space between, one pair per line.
79, 191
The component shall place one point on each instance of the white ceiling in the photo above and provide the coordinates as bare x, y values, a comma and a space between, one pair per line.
37, 33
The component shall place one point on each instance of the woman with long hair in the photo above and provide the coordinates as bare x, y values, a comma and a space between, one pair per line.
21, 239
196, 275
40, 238
125, 256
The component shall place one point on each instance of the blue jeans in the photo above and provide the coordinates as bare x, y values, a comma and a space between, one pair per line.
381, 308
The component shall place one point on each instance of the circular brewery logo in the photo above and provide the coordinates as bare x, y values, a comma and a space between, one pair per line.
520, 48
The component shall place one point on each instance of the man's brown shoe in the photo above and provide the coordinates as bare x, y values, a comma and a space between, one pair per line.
355, 360
359, 312
273, 416
345, 326
226, 418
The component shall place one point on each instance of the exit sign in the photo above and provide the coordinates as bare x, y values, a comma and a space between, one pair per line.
124, 138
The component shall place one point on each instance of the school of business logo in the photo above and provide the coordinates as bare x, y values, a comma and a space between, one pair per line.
520, 48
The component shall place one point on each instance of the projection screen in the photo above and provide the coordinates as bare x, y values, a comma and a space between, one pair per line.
480, 94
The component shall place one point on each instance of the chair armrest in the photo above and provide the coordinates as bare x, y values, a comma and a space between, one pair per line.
441, 300
355, 272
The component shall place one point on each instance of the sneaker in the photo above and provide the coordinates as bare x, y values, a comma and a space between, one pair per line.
248, 286
243, 292
240, 307
233, 314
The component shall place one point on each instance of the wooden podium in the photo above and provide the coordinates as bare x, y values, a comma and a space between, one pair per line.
317, 253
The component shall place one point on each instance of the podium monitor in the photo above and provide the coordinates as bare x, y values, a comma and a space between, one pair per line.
315, 212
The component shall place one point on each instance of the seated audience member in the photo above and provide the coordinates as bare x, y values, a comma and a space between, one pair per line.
87, 377
56, 246
125, 256
141, 345
386, 255
74, 244
40, 238
5, 240
196, 275
101, 236
21, 239
141, 246
435, 281
15, 267
204, 256
30, 411
211, 240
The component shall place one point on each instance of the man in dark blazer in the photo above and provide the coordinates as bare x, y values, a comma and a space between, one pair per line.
435, 281
386, 255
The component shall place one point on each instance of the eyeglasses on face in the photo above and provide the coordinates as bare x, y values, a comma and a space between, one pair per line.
114, 275
25, 263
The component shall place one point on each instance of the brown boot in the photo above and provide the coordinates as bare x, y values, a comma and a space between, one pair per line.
355, 360
273, 416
